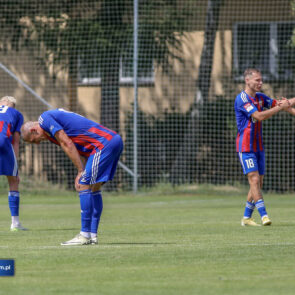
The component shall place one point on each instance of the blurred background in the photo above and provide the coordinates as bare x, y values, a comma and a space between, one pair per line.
162, 73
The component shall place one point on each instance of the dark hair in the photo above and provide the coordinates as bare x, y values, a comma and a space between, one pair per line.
250, 71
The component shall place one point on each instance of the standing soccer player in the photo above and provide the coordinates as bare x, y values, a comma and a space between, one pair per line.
249, 110
83, 141
11, 121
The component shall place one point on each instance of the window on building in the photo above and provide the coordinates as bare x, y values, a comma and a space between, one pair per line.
266, 46
89, 70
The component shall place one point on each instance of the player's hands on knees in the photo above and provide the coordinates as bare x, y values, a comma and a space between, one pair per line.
77, 184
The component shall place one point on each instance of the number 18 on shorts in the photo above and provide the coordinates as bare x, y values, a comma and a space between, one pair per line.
252, 162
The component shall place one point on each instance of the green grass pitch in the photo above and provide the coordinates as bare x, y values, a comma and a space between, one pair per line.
165, 241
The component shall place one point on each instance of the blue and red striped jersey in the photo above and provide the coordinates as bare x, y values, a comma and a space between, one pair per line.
249, 137
88, 136
11, 121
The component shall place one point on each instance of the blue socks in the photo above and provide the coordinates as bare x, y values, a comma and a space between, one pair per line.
249, 209
13, 202
86, 210
261, 208
97, 209
91, 207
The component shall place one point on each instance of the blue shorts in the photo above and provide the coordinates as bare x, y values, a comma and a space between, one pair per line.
101, 166
252, 162
8, 162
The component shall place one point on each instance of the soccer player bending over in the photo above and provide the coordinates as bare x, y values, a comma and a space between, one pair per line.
250, 111
94, 150
11, 121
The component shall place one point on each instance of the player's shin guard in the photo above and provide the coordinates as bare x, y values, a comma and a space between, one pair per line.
86, 210
261, 208
97, 209
13, 202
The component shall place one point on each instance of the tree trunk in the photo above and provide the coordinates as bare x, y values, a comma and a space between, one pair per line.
187, 155
112, 20
110, 100
204, 77
110, 97
72, 84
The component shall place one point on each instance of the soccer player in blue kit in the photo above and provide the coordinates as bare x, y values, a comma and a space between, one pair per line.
249, 110
94, 150
11, 121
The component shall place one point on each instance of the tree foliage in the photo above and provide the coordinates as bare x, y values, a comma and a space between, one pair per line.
58, 32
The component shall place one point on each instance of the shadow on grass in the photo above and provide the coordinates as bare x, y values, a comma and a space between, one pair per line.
55, 229
138, 243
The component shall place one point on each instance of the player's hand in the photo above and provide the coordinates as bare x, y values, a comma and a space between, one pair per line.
280, 101
77, 184
284, 103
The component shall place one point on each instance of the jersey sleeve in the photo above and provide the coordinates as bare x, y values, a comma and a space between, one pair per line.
49, 124
246, 107
267, 101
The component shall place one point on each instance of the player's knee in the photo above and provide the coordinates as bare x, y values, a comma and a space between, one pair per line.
13, 180
254, 179
96, 187
81, 187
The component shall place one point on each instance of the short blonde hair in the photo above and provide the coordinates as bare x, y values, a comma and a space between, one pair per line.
251, 71
9, 99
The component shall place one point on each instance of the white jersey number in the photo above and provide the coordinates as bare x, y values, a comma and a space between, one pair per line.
3, 109
250, 163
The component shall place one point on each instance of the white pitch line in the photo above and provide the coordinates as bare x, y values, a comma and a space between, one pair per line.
126, 245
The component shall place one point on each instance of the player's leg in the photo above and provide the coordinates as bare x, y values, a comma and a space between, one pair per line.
85, 196
97, 210
250, 204
9, 167
259, 202
86, 206
86, 211
103, 170
249, 165
13, 202
86, 200
250, 199
254, 181
261, 181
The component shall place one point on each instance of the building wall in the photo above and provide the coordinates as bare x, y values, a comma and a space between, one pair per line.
175, 90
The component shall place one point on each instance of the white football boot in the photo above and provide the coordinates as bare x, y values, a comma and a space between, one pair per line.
17, 227
78, 240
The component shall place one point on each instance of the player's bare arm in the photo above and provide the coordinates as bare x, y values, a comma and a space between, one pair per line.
69, 148
291, 111
261, 116
15, 143
292, 101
